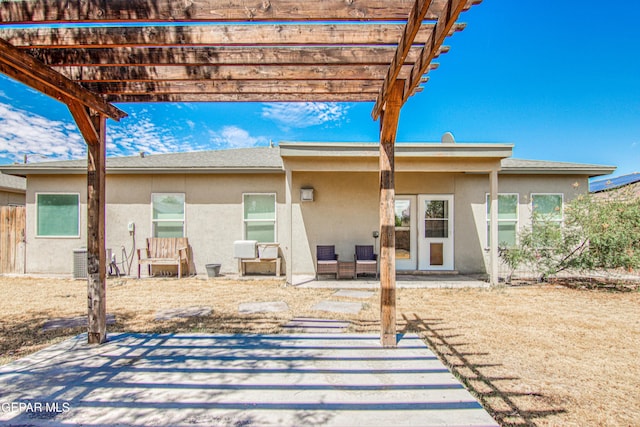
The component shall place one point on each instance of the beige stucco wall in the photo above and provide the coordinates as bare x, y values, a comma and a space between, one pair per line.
471, 191
344, 213
213, 216
345, 210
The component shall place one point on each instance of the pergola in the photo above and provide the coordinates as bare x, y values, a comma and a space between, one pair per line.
91, 53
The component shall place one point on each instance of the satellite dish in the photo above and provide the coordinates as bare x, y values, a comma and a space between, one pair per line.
447, 138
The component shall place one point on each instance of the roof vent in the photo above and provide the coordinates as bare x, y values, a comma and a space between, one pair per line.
447, 138
142, 153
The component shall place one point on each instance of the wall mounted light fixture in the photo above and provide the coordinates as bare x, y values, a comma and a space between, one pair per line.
306, 194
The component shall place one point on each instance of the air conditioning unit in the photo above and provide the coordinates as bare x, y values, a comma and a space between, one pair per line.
245, 249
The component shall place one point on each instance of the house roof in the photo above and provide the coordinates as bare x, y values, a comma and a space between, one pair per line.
14, 184
269, 160
240, 160
522, 166
415, 150
611, 183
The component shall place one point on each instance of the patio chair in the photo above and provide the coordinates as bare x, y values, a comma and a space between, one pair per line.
326, 260
366, 260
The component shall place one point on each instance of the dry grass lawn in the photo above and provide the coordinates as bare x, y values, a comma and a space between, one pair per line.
534, 355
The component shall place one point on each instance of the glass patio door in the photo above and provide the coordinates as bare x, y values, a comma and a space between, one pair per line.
406, 246
435, 232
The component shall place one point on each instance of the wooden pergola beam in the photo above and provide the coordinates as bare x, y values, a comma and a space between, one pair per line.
409, 34
245, 97
230, 72
212, 36
75, 11
432, 47
235, 87
446, 22
25, 69
312, 55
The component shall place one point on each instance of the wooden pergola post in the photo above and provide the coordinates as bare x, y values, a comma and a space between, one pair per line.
388, 130
96, 253
93, 127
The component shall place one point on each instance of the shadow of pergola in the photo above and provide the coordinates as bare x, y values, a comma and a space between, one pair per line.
228, 379
495, 393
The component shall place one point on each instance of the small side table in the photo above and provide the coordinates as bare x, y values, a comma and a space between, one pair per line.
346, 270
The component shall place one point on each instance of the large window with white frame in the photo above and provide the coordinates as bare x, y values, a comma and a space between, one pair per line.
168, 214
507, 219
547, 207
259, 216
57, 215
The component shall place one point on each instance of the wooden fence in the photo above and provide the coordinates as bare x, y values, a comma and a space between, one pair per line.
12, 239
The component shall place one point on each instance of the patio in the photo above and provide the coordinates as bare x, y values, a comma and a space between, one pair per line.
414, 281
233, 380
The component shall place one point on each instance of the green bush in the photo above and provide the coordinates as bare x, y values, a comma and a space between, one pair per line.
597, 234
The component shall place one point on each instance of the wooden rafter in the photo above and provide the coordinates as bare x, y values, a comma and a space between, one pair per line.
30, 11
28, 70
212, 35
230, 72
310, 55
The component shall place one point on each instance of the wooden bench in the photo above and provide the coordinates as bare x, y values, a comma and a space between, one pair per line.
165, 251
267, 252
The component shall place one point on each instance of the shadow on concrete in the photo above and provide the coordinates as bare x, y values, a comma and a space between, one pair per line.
236, 380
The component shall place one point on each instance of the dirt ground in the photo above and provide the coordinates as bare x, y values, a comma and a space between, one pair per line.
543, 355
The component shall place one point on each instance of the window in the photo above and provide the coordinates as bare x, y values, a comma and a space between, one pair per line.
167, 218
547, 207
436, 222
57, 215
259, 217
507, 219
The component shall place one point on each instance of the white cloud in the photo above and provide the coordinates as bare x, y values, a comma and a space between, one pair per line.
235, 137
22, 132
139, 133
304, 114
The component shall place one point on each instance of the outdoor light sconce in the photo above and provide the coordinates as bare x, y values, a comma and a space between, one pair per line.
306, 194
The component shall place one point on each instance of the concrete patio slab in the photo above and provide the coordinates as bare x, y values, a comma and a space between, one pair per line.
353, 294
262, 307
72, 322
182, 313
236, 380
338, 307
432, 281
319, 326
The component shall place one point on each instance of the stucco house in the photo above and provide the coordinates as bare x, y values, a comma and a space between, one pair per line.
300, 195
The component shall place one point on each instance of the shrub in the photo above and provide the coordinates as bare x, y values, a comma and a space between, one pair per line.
597, 234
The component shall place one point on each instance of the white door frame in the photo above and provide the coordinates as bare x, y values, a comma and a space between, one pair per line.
425, 243
411, 263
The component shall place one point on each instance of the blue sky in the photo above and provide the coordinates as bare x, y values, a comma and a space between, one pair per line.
559, 79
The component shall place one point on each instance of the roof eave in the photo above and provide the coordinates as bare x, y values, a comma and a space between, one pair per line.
342, 150
589, 171
139, 171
